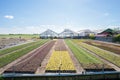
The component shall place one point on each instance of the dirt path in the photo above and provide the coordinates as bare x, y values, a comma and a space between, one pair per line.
41, 69
77, 65
105, 61
19, 59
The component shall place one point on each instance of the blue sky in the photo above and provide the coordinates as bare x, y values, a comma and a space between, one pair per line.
35, 16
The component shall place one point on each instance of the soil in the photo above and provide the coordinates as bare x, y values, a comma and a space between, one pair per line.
60, 46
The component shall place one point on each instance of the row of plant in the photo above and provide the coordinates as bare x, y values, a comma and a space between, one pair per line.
11, 57
104, 54
105, 46
15, 48
60, 46
60, 61
87, 60
30, 64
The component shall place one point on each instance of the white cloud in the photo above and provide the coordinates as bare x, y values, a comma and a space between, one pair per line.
8, 16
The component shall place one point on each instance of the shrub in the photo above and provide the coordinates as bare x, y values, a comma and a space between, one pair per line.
116, 38
92, 36
1, 78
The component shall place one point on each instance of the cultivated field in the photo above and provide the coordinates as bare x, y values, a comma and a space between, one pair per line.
17, 52
60, 60
8, 40
32, 61
88, 61
4, 43
105, 46
115, 59
91, 57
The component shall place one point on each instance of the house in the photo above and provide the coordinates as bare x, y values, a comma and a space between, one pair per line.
84, 33
67, 33
106, 33
48, 34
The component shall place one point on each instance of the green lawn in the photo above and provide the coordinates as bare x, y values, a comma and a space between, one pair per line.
13, 56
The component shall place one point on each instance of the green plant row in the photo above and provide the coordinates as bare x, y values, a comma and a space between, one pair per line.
11, 57
83, 56
106, 55
15, 48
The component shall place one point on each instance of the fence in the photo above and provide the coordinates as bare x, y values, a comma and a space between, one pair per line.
97, 76
107, 39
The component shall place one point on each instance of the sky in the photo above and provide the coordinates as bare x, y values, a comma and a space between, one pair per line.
35, 16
